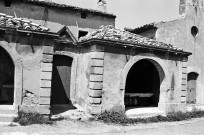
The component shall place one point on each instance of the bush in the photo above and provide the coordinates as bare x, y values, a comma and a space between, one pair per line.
25, 118
120, 118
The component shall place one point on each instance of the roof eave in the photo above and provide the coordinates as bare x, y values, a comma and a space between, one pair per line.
126, 45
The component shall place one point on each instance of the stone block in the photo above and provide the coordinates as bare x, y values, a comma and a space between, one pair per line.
183, 99
183, 93
44, 109
96, 78
95, 109
44, 101
46, 67
183, 81
47, 58
97, 55
184, 76
97, 63
45, 92
96, 70
96, 85
95, 93
48, 49
184, 64
94, 100
46, 75
45, 84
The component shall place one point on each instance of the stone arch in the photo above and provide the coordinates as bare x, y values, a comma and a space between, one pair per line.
158, 63
18, 76
73, 73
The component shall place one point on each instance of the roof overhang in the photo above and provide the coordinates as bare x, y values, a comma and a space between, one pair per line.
95, 41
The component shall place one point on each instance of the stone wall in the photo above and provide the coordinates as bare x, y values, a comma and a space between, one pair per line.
55, 18
178, 33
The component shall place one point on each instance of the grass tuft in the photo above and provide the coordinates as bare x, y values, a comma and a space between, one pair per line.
120, 118
25, 118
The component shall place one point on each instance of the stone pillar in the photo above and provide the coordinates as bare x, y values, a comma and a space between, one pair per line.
96, 82
184, 80
46, 78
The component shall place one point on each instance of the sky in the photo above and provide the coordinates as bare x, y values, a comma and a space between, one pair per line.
133, 13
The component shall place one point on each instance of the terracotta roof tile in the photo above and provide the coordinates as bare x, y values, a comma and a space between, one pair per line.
18, 23
111, 33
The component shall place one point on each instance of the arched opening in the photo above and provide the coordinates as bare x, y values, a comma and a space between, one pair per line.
191, 87
61, 78
143, 84
6, 78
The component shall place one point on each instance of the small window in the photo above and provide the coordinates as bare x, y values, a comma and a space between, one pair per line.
7, 3
194, 31
83, 15
82, 33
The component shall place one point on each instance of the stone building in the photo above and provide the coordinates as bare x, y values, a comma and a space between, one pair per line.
55, 16
186, 32
50, 71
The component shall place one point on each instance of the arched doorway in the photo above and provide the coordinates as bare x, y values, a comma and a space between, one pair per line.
191, 87
142, 87
61, 78
6, 78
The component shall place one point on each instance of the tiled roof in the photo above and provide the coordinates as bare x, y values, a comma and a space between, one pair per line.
64, 6
143, 28
18, 23
111, 33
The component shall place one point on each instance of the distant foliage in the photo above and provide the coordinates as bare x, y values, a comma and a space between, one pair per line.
120, 118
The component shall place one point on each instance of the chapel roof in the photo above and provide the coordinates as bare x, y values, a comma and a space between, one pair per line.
109, 32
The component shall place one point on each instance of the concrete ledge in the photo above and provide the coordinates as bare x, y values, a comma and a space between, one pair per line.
96, 70
95, 93
45, 92
48, 50
94, 100
46, 67
96, 78
96, 85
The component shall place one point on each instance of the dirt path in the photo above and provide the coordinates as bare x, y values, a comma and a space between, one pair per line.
73, 127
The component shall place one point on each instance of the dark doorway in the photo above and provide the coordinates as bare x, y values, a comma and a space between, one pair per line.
142, 85
191, 88
60, 94
6, 78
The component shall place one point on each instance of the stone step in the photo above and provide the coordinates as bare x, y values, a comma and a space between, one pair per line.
7, 117
144, 112
7, 109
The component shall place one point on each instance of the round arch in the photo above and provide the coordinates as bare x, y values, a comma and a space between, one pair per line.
157, 62
10, 49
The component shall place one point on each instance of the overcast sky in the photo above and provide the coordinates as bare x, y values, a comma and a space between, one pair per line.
133, 13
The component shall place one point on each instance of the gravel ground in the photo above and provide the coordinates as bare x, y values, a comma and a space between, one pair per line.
76, 127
